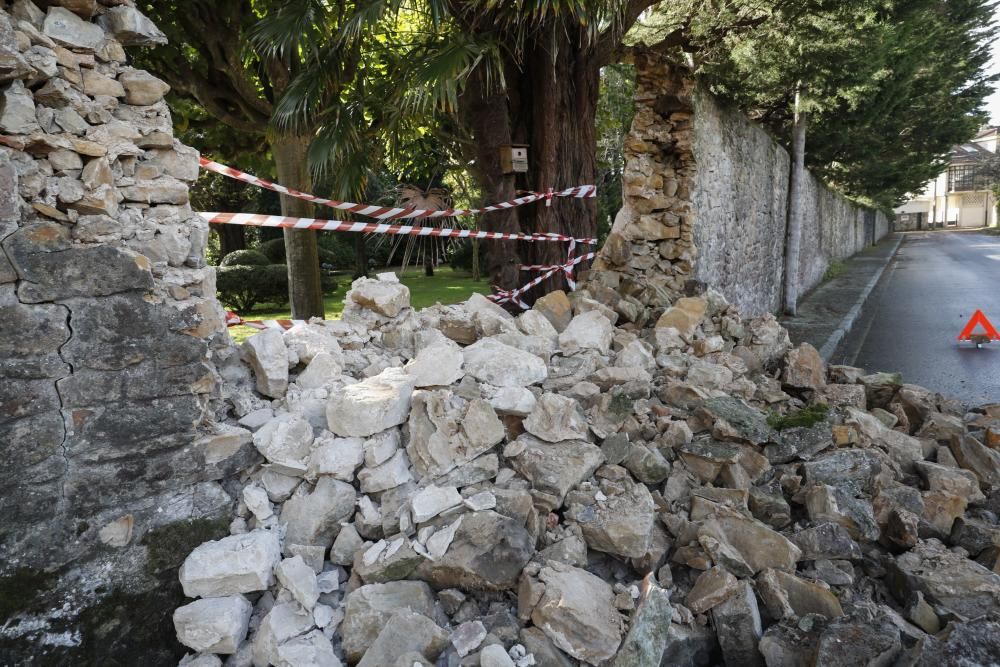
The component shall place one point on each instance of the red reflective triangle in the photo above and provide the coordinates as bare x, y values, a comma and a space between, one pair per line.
980, 319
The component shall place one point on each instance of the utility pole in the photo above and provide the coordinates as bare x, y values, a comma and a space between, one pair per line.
793, 243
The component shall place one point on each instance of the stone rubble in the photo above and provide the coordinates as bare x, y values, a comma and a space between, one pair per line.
460, 487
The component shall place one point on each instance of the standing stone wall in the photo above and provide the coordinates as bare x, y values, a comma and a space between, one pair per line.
111, 338
706, 200
740, 203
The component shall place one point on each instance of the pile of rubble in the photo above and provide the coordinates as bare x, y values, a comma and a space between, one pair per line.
459, 486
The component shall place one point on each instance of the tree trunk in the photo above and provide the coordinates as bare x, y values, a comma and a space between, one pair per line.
793, 243
486, 114
360, 256
231, 238
304, 291
556, 114
551, 104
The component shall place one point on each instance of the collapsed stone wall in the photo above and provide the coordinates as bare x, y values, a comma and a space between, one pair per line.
111, 338
706, 199
649, 255
458, 486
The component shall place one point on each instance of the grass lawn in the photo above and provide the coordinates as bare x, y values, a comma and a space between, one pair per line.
447, 286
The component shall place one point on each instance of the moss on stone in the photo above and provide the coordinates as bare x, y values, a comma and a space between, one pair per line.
168, 546
132, 629
23, 590
807, 416
621, 405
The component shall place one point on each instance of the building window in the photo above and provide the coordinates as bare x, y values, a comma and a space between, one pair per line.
966, 178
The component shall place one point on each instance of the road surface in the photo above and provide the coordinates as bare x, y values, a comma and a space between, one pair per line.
914, 316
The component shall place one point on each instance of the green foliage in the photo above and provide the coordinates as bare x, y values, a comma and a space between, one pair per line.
215, 192
835, 269
462, 256
335, 253
168, 546
248, 257
890, 85
274, 250
615, 109
807, 416
240, 288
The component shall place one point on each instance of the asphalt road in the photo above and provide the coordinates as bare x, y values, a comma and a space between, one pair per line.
913, 317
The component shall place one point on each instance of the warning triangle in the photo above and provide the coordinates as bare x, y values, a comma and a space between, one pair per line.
978, 318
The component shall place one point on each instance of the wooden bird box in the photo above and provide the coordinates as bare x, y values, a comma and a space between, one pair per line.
514, 158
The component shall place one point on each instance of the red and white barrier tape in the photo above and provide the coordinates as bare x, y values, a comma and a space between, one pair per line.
389, 213
234, 320
384, 213
259, 220
566, 268
505, 296
540, 267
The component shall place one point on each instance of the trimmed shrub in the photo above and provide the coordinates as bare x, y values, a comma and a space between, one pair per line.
274, 250
248, 257
241, 288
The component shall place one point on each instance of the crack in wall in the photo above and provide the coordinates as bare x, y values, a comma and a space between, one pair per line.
66, 418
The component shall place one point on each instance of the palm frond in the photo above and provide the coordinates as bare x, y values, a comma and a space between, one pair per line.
309, 94
365, 16
290, 28
442, 70
341, 154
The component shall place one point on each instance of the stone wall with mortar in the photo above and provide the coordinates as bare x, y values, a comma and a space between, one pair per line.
111, 341
649, 255
706, 200
740, 201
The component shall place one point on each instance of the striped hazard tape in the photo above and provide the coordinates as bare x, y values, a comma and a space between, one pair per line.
260, 220
408, 213
391, 213
514, 296
234, 320
565, 268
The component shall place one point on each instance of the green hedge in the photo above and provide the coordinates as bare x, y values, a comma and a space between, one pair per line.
274, 250
242, 287
248, 257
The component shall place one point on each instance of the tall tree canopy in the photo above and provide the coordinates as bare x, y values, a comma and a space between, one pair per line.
890, 85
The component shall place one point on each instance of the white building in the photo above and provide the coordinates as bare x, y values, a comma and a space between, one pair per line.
961, 195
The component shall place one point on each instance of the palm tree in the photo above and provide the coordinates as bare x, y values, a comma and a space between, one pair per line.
238, 59
505, 72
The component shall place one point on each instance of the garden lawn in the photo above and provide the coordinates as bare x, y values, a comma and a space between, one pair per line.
447, 286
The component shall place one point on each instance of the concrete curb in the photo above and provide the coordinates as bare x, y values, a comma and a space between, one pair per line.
830, 346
